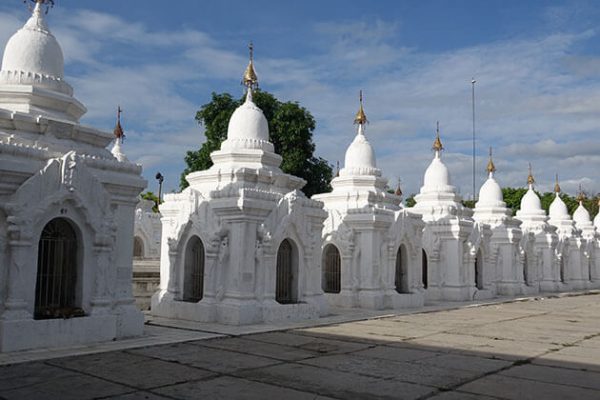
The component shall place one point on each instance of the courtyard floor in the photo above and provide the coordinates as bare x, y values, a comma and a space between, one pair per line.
539, 348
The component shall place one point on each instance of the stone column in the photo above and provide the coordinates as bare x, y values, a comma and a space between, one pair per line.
16, 306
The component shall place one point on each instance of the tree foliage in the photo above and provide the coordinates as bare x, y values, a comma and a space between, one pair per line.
290, 128
152, 197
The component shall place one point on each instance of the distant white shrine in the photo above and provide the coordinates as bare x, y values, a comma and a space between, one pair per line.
372, 250
241, 244
66, 207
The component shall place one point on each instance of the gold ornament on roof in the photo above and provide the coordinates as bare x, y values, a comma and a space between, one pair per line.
361, 117
530, 179
398, 191
556, 185
490, 165
581, 195
49, 4
437, 143
118, 132
250, 80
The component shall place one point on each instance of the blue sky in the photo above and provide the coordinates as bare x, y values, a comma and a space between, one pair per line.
537, 65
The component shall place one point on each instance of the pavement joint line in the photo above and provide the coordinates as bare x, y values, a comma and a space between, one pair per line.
391, 378
514, 364
279, 361
93, 376
279, 385
299, 347
135, 388
454, 388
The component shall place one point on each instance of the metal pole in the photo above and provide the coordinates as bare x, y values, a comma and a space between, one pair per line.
160, 178
473, 81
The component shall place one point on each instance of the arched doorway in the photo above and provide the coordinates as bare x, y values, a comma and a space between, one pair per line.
479, 270
193, 279
562, 269
57, 271
425, 269
138, 247
401, 276
285, 292
332, 273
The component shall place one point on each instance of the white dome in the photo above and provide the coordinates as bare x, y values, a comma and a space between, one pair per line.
437, 174
248, 123
360, 153
558, 209
33, 49
531, 202
490, 193
597, 221
581, 215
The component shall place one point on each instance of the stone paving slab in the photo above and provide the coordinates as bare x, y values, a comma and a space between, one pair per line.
215, 360
235, 388
276, 351
429, 375
562, 376
523, 389
338, 384
320, 345
131, 369
75, 386
572, 357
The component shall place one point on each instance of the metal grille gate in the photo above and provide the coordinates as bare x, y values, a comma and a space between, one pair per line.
478, 271
55, 292
285, 274
401, 280
333, 270
425, 269
194, 271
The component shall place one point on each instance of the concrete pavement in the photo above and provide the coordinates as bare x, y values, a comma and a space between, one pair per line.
535, 349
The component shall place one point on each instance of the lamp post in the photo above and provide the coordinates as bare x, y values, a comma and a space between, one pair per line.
160, 178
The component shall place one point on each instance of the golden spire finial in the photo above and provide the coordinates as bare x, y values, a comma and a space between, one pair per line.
250, 80
39, 3
530, 179
360, 118
118, 132
437, 143
581, 195
491, 168
398, 191
556, 185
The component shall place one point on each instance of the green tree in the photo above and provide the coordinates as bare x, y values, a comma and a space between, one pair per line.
410, 201
290, 128
152, 197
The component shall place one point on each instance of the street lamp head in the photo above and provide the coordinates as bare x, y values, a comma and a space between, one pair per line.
159, 177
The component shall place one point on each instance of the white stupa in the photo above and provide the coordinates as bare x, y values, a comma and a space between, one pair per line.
32, 75
559, 214
363, 216
455, 247
242, 244
437, 197
511, 270
65, 267
582, 219
531, 212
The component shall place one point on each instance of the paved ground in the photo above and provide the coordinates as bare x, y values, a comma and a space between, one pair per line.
537, 349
